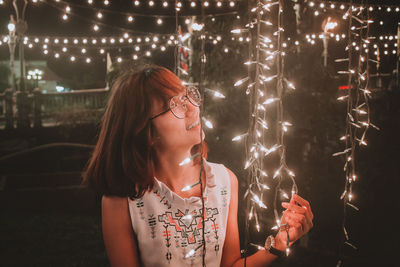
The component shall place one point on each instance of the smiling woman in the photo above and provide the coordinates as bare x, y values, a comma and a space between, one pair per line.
186, 213
122, 163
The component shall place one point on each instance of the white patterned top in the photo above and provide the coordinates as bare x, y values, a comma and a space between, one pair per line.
168, 226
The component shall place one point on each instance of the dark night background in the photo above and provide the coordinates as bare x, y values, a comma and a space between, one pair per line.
51, 224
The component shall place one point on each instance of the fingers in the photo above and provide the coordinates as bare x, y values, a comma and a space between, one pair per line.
301, 201
294, 219
294, 208
297, 209
303, 212
296, 229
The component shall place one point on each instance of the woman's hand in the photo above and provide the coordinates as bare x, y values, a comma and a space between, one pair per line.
298, 218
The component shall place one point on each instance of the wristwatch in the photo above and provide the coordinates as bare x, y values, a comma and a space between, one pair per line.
270, 247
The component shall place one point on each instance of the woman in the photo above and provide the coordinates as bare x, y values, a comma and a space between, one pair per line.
150, 125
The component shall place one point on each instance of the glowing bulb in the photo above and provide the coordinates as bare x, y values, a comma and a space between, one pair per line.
99, 15
207, 123
277, 172
190, 253
95, 27
159, 21
65, 17
188, 159
241, 81
130, 18
270, 100
188, 187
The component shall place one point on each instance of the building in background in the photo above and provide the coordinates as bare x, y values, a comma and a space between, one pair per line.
47, 82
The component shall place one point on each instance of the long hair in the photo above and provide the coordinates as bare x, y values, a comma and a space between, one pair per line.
122, 163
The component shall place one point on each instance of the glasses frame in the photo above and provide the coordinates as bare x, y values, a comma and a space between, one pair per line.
186, 98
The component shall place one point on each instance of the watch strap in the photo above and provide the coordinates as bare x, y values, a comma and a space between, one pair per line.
276, 252
269, 246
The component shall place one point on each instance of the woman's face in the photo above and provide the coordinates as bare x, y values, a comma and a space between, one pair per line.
172, 133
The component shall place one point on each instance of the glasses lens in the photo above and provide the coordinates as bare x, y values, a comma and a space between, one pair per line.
194, 95
178, 106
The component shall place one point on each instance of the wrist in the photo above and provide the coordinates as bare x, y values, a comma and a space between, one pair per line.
280, 241
270, 247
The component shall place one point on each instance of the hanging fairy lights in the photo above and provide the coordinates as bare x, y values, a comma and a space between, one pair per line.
372, 6
265, 85
78, 48
358, 109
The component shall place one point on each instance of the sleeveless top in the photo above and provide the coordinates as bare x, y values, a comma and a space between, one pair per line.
169, 228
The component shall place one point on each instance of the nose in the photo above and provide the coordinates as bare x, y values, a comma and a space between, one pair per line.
191, 110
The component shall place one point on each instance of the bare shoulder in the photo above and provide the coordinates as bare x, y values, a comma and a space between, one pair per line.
112, 202
115, 207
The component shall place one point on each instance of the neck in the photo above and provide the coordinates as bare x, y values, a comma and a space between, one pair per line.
168, 171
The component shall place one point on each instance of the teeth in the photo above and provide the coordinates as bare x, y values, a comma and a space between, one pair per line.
193, 125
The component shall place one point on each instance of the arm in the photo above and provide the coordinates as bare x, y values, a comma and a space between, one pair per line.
298, 218
119, 238
231, 250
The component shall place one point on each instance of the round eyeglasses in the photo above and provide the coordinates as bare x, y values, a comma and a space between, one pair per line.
177, 104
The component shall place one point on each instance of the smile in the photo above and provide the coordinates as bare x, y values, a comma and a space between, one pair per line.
193, 125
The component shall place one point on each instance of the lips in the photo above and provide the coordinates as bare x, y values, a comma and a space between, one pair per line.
193, 125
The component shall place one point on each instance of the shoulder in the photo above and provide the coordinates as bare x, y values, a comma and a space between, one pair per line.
114, 206
113, 201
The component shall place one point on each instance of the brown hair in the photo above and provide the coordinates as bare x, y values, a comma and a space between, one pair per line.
122, 163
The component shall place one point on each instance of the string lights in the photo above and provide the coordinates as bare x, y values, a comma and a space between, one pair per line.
358, 109
266, 85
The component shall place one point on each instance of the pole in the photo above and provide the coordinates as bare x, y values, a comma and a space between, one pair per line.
325, 53
11, 45
398, 55
21, 96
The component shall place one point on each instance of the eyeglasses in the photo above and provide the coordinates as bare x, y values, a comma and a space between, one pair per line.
177, 104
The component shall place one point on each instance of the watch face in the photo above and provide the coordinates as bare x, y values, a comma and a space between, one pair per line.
269, 242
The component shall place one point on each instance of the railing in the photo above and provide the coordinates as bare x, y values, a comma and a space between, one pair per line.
38, 106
